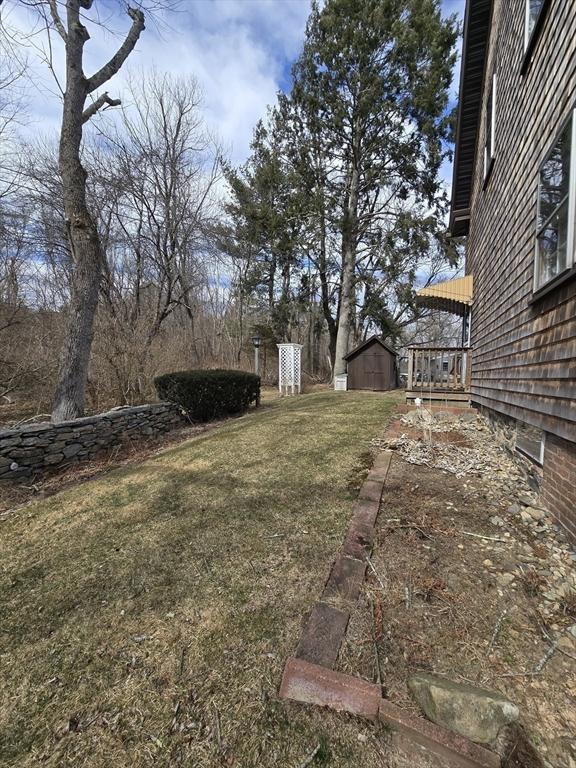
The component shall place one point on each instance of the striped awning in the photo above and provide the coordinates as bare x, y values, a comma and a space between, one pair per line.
451, 296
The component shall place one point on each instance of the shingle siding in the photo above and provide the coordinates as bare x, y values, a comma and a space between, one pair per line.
524, 352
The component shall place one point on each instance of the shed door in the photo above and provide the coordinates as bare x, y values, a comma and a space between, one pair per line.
370, 363
379, 370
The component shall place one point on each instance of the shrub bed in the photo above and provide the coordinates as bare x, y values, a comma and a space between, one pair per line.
207, 395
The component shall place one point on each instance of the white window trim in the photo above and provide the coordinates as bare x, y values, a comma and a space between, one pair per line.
570, 240
492, 128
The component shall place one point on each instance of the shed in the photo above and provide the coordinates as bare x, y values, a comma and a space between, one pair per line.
372, 365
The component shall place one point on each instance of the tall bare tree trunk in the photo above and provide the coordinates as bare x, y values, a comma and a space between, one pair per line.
84, 242
349, 233
82, 232
325, 291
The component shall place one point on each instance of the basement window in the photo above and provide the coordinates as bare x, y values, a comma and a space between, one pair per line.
556, 209
490, 130
530, 441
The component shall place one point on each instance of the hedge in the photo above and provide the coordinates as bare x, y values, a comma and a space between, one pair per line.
206, 395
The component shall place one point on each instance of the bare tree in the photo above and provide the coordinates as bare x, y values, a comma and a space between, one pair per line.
82, 231
11, 113
162, 202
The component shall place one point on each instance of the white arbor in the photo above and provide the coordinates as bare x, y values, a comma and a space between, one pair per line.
289, 368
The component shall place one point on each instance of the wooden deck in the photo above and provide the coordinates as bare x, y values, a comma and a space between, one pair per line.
439, 374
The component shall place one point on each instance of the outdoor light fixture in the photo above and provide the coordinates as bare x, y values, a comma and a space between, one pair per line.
256, 340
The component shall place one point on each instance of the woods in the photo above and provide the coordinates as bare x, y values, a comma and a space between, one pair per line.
132, 244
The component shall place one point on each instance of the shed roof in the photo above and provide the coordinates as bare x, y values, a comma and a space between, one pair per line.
367, 343
474, 48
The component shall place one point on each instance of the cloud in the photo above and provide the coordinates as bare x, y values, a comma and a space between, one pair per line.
238, 50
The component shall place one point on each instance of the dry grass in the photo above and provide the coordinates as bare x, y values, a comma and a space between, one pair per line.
146, 614
46, 483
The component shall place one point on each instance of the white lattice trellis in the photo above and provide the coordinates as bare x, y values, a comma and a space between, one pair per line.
289, 368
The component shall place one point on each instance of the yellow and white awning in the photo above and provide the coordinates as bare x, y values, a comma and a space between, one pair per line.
451, 296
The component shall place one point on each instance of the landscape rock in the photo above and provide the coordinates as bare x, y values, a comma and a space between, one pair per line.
505, 579
472, 712
526, 499
53, 458
567, 643
72, 449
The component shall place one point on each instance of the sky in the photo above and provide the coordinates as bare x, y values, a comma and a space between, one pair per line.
239, 51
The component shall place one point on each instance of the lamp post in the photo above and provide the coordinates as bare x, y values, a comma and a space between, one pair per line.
256, 341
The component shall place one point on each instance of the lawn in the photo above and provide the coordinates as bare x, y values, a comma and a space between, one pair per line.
146, 615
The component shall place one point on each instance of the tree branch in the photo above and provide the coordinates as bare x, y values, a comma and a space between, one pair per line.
57, 20
112, 67
98, 104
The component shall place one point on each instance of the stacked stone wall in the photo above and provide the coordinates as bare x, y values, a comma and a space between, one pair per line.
34, 448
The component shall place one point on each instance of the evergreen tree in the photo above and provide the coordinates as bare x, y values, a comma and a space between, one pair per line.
266, 226
372, 88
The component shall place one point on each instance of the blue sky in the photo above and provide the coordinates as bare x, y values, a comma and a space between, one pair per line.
240, 51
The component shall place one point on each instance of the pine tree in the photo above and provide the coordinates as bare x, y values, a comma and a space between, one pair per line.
266, 225
371, 86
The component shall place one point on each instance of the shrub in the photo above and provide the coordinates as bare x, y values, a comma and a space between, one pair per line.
206, 395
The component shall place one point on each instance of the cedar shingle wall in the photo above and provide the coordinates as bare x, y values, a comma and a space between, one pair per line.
524, 358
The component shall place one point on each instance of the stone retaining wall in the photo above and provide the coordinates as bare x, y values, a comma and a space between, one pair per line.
556, 480
505, 430
40, 447
504, 427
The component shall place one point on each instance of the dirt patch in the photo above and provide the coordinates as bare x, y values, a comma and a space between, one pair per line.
466, 584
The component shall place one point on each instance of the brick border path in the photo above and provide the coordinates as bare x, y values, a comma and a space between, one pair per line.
309, 675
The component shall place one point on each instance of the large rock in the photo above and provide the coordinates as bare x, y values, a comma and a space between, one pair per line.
472, 712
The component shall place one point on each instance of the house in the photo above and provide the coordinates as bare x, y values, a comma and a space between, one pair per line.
514, 202
372, 365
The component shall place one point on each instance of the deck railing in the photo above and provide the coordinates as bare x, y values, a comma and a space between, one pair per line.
439, 369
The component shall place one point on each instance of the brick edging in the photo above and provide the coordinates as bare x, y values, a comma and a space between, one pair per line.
309, 675
326, 625
313, 684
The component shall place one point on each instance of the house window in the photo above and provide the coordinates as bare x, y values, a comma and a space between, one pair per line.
530, 441
556, 198
533, 11
490, 129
